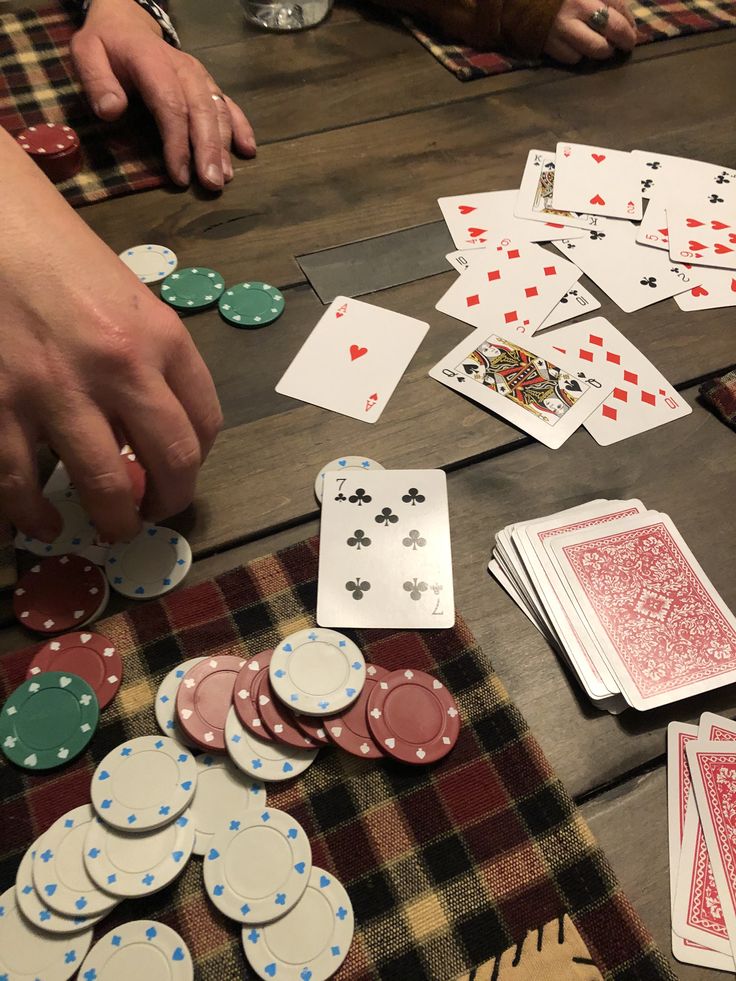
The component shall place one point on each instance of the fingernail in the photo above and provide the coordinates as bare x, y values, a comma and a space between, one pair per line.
109, 102
214, 175
184, 176
227, 168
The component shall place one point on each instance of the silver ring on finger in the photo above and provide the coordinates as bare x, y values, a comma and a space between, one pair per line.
598, 20
217, 97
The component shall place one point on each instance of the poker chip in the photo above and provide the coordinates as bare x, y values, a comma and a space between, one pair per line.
59, 872
343, 463
136, 474
39, 913
60, 593
257, 865
48, 720
311, 940
413, 717
277, 719
131, 865
143, 949
251, 304
27, 953
317, 671
270, 761
221, 788
350, 730
204, 698
150, 263
165, 704
192, 288
77, 531
312, 726
244, 693
144, 783
54, 147
151, 564
91, 656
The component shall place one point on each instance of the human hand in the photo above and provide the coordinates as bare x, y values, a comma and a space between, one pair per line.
571, 38
120, 50
91, 359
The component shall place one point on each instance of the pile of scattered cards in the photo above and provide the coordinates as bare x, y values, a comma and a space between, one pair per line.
618, 593
701, 802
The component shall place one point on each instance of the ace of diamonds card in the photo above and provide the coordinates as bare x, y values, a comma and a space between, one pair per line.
384, 554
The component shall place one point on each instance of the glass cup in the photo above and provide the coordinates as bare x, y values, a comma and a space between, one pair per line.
286, 15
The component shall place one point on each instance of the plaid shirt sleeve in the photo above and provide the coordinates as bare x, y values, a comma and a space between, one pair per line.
157, 11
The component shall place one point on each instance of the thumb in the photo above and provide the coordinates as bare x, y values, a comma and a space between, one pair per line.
105, 93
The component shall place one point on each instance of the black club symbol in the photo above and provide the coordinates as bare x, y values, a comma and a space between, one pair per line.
646, 184
414, 540
360, 497
357, 588
341, 497
387, 517
655, 165
714, 199
722, 179
567, 295
359, 539
436, 588
569, 245
649, 281
413, 497
597, 235
415, 588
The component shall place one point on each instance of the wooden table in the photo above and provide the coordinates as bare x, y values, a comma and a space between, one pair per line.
360, 130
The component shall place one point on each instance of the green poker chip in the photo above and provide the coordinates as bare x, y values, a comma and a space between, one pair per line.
251, 304
48, 720
192, 288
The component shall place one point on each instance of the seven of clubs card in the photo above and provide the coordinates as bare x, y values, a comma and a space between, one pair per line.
385, 558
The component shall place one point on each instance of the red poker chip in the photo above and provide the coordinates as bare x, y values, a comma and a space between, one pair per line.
413, 717
313, 726
349, 729
60, 593
244, 694
90, 656
277, 719
48, 139
204, 698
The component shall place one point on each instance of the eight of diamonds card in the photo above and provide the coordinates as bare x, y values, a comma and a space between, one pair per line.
596, 180
538, 395
384, 554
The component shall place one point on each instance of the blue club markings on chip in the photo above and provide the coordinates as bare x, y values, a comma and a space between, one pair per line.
151, 564
326, 662
133, 938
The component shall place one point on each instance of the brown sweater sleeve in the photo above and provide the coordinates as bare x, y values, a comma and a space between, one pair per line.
520, 26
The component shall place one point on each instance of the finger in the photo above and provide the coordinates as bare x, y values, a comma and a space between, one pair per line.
623, 8
585, 40
161, 90
620, 32
562, 52
204, 131
224, 125
82, 437
192, 384
105, 93
243, 135
21, 500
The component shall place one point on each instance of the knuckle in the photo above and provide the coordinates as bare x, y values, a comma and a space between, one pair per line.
175, 105
106, 483
14, 485
182, 456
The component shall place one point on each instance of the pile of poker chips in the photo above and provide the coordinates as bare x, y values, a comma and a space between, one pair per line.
249, 304
54, 147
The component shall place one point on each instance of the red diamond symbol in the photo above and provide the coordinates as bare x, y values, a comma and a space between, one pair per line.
609, 412
472, 301
662, 391
616, 358
513, 253
550, 270
585, 355
531, 291
621, 394
631, 377
510, 317
594, 339
648, 397
494, 274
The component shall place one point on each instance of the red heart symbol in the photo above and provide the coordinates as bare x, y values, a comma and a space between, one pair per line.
733, 285
721, 249
696, 246
598, 157
699, 291
597, 200
476, 232
465, 209
717, 226
357, 352
732, 238
693, 223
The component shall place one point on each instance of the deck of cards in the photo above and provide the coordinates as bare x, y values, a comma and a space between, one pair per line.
620, 596
701, 803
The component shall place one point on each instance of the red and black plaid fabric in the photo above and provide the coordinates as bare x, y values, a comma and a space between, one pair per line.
446, 865
720, 394
37, 84
657, 20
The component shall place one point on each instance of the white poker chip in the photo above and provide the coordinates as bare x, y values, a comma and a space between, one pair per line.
270, 761
221, 788
165, 704
343, 463
150, 263
257, 865
144, 783
317, 671
143, 950
39, 913
59, 873
310, 941
77, 531
130, 865
29, 954
153, 563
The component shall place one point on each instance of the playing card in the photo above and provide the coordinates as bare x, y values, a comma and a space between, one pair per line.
596, 181
633, 275
639, 397
505, 581
716, 288
353, 359
679, 734
542, 397
488, 219
652, 230
534, 200
384, 558
665, 631
660, 173
511, 289
700, 238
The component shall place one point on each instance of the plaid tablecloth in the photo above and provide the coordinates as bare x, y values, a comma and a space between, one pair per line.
447, 866
37, 84
720, 394
656, 20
